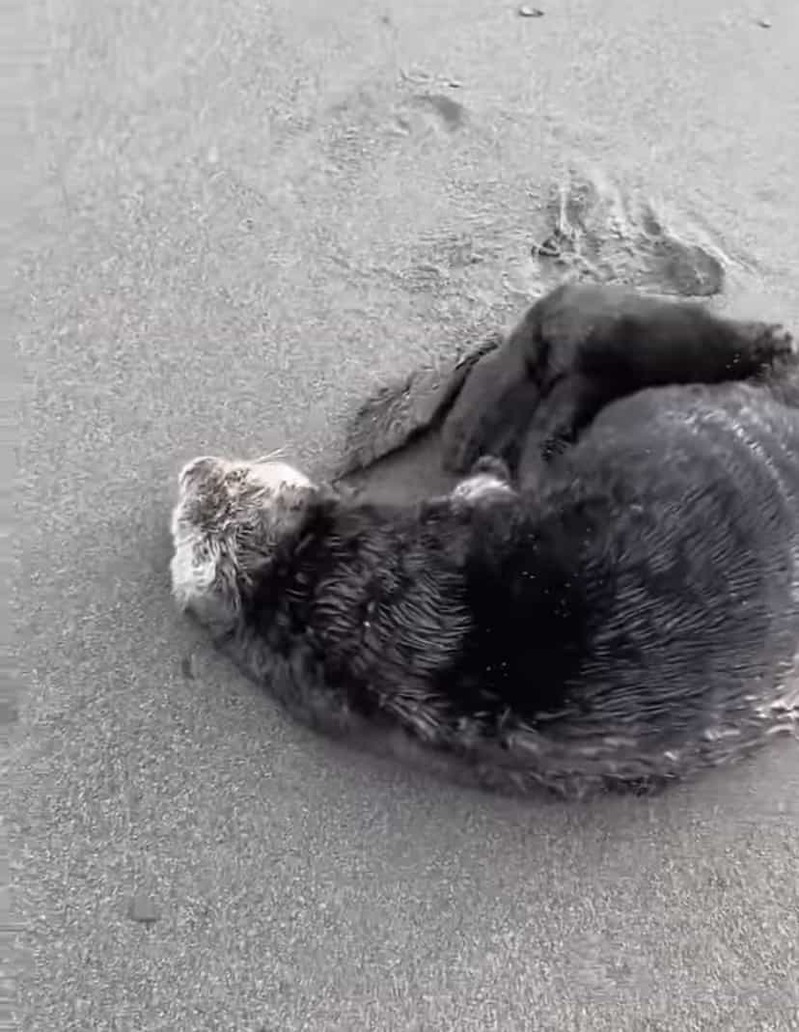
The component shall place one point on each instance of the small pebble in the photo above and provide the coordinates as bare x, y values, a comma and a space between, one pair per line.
142, 910
764, 23
549, 249
531, 12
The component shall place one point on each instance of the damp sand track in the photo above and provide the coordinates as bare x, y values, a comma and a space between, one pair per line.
238, 223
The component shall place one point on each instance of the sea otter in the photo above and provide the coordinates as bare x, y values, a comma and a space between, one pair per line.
610, 596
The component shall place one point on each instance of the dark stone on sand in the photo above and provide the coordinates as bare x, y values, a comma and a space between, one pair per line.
142, 910
451, 113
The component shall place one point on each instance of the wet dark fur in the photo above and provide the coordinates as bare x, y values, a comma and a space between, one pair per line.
627, 616
579, 348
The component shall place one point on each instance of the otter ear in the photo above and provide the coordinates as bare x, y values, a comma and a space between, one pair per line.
205, 583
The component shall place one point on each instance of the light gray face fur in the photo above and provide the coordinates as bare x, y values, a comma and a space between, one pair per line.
480, 487
228, 520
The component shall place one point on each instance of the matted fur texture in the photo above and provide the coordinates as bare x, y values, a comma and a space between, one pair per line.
626, 617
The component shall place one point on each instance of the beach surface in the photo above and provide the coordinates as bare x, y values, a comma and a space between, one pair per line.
235, 221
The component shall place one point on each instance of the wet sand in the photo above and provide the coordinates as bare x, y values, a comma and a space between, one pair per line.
240, 221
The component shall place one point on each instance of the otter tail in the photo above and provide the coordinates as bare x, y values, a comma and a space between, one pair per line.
401, 412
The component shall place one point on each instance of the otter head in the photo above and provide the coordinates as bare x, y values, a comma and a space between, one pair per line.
230, 519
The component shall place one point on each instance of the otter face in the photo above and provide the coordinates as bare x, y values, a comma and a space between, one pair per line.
228, 521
